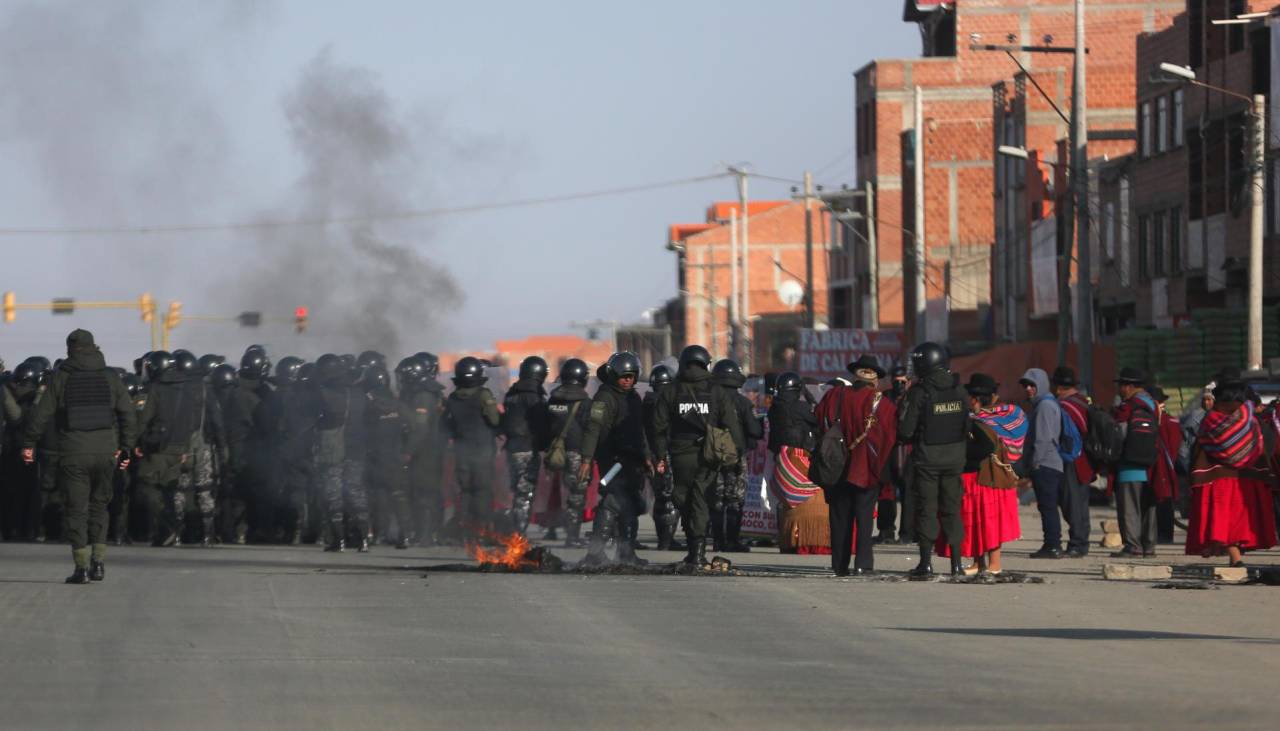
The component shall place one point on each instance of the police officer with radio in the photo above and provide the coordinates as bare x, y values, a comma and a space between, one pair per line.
934, 419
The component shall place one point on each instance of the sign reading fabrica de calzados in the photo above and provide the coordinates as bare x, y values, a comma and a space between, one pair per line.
823, 354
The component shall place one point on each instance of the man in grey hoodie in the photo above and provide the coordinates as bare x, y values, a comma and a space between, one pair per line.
1041, 461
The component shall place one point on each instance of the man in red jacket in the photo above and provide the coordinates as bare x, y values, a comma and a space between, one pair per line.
1079, 475
869, 422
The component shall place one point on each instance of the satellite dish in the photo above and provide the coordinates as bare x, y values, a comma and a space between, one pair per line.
791, 293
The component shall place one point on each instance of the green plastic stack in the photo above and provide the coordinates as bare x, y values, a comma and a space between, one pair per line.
1131, 349
1187, 365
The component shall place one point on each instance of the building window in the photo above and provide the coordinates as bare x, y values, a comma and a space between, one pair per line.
1177, 119
1175, 240
1157, 244
1195, 176
1144, 273
1162, 124
1144, 142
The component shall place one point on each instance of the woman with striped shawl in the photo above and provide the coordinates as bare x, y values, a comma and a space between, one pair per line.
1231, 510
990, 514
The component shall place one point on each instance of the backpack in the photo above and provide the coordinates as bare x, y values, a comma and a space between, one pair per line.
997, 469
1104, 444
1070, 443
1141, 437
719, 450
557, 456
830, 459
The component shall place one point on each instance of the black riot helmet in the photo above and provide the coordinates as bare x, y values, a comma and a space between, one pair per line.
468, 372
789, 382
376, 380
26, 374
209, 361
287, 369
255, 364
695, 355
575, 372
371, 359
727, 367
41, 363
330, 370
623, 363
306, 372
929, 357
140, 365
223, 376
255, 348
158, 361
410, 372
184, 361
430, 363
132, 384
535, 368
660, 376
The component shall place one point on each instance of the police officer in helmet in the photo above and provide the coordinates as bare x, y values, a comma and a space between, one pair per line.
934, 419
615, 436
472, 418
524, 422
665, 516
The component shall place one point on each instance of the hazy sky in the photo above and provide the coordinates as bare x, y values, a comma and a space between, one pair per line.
132, 113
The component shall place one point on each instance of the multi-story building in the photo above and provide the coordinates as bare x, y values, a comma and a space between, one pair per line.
772, 306
935, 112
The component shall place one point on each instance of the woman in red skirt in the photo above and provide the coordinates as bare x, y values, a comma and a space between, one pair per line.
1231, 508
990, 507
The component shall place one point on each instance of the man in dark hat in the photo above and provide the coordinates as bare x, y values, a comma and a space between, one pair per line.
1138, 418
96, 429
1079, 475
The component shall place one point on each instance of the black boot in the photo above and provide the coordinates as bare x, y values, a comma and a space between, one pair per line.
957, 562
79, 576
733, 531
605, 524
97, 571
572, 535
697, 555
627, 548
924, 569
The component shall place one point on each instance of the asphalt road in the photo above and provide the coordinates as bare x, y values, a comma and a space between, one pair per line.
294, 638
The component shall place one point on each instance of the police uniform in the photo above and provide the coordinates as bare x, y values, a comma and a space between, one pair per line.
524, 423
934, 418
473, 420
426, 443
665, 515
615, 436
568, 414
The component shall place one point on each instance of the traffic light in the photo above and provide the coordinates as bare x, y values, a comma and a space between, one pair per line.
249, 319
174, 316
300, 319
147, 306
10, 307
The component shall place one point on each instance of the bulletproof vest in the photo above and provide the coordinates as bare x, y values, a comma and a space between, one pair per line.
946, 418
387, 425
355, 430
694, 406
88, 401
469, 426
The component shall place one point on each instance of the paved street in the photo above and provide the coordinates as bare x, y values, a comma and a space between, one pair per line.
285, 638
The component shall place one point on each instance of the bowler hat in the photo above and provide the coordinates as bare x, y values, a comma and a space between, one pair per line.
867, 364
1158, 394
980, 384
1064, 376
1132, 376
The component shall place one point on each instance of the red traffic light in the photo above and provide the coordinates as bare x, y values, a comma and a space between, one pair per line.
300, 312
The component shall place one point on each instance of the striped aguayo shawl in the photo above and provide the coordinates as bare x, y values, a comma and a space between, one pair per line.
791, 476
1233, 439
1010, 424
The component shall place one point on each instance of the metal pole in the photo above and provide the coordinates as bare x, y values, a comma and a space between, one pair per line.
873, 259
735, 335
710, 272
919, 248
808, 252
1255, 231
1080, 171
1066, 246
745, 310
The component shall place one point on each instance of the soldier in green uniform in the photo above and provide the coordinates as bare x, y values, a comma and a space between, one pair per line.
683, 422
423, 399
388, 458
96, 429
471, 413
934, 419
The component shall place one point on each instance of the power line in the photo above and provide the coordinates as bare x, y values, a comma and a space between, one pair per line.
360, 218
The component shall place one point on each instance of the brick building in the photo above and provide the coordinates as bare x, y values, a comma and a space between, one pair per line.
1189, 219
775, 266
953, 88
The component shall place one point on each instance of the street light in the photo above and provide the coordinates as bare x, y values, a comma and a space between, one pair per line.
1011, 151
1257, 165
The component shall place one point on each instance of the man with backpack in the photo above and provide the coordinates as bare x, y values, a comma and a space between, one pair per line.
1079, 475
1043, 460
1135, 497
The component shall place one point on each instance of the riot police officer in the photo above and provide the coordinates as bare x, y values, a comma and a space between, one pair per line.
569, 412
665, 515
341, 445
206, 448
23, 505
731, 489
297, 408
934, 419
118, 511
615, 437
388, 458
249, 435
685, 427
524, 422
423, 399
472, 417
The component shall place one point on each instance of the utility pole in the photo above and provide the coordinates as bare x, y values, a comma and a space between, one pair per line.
873, 260
745, 241
921, 331
809, 319
1255, 231
735, 333
1080, 176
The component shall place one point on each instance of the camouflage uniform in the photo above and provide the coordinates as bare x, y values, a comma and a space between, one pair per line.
575, 493
195, 487
524, 467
